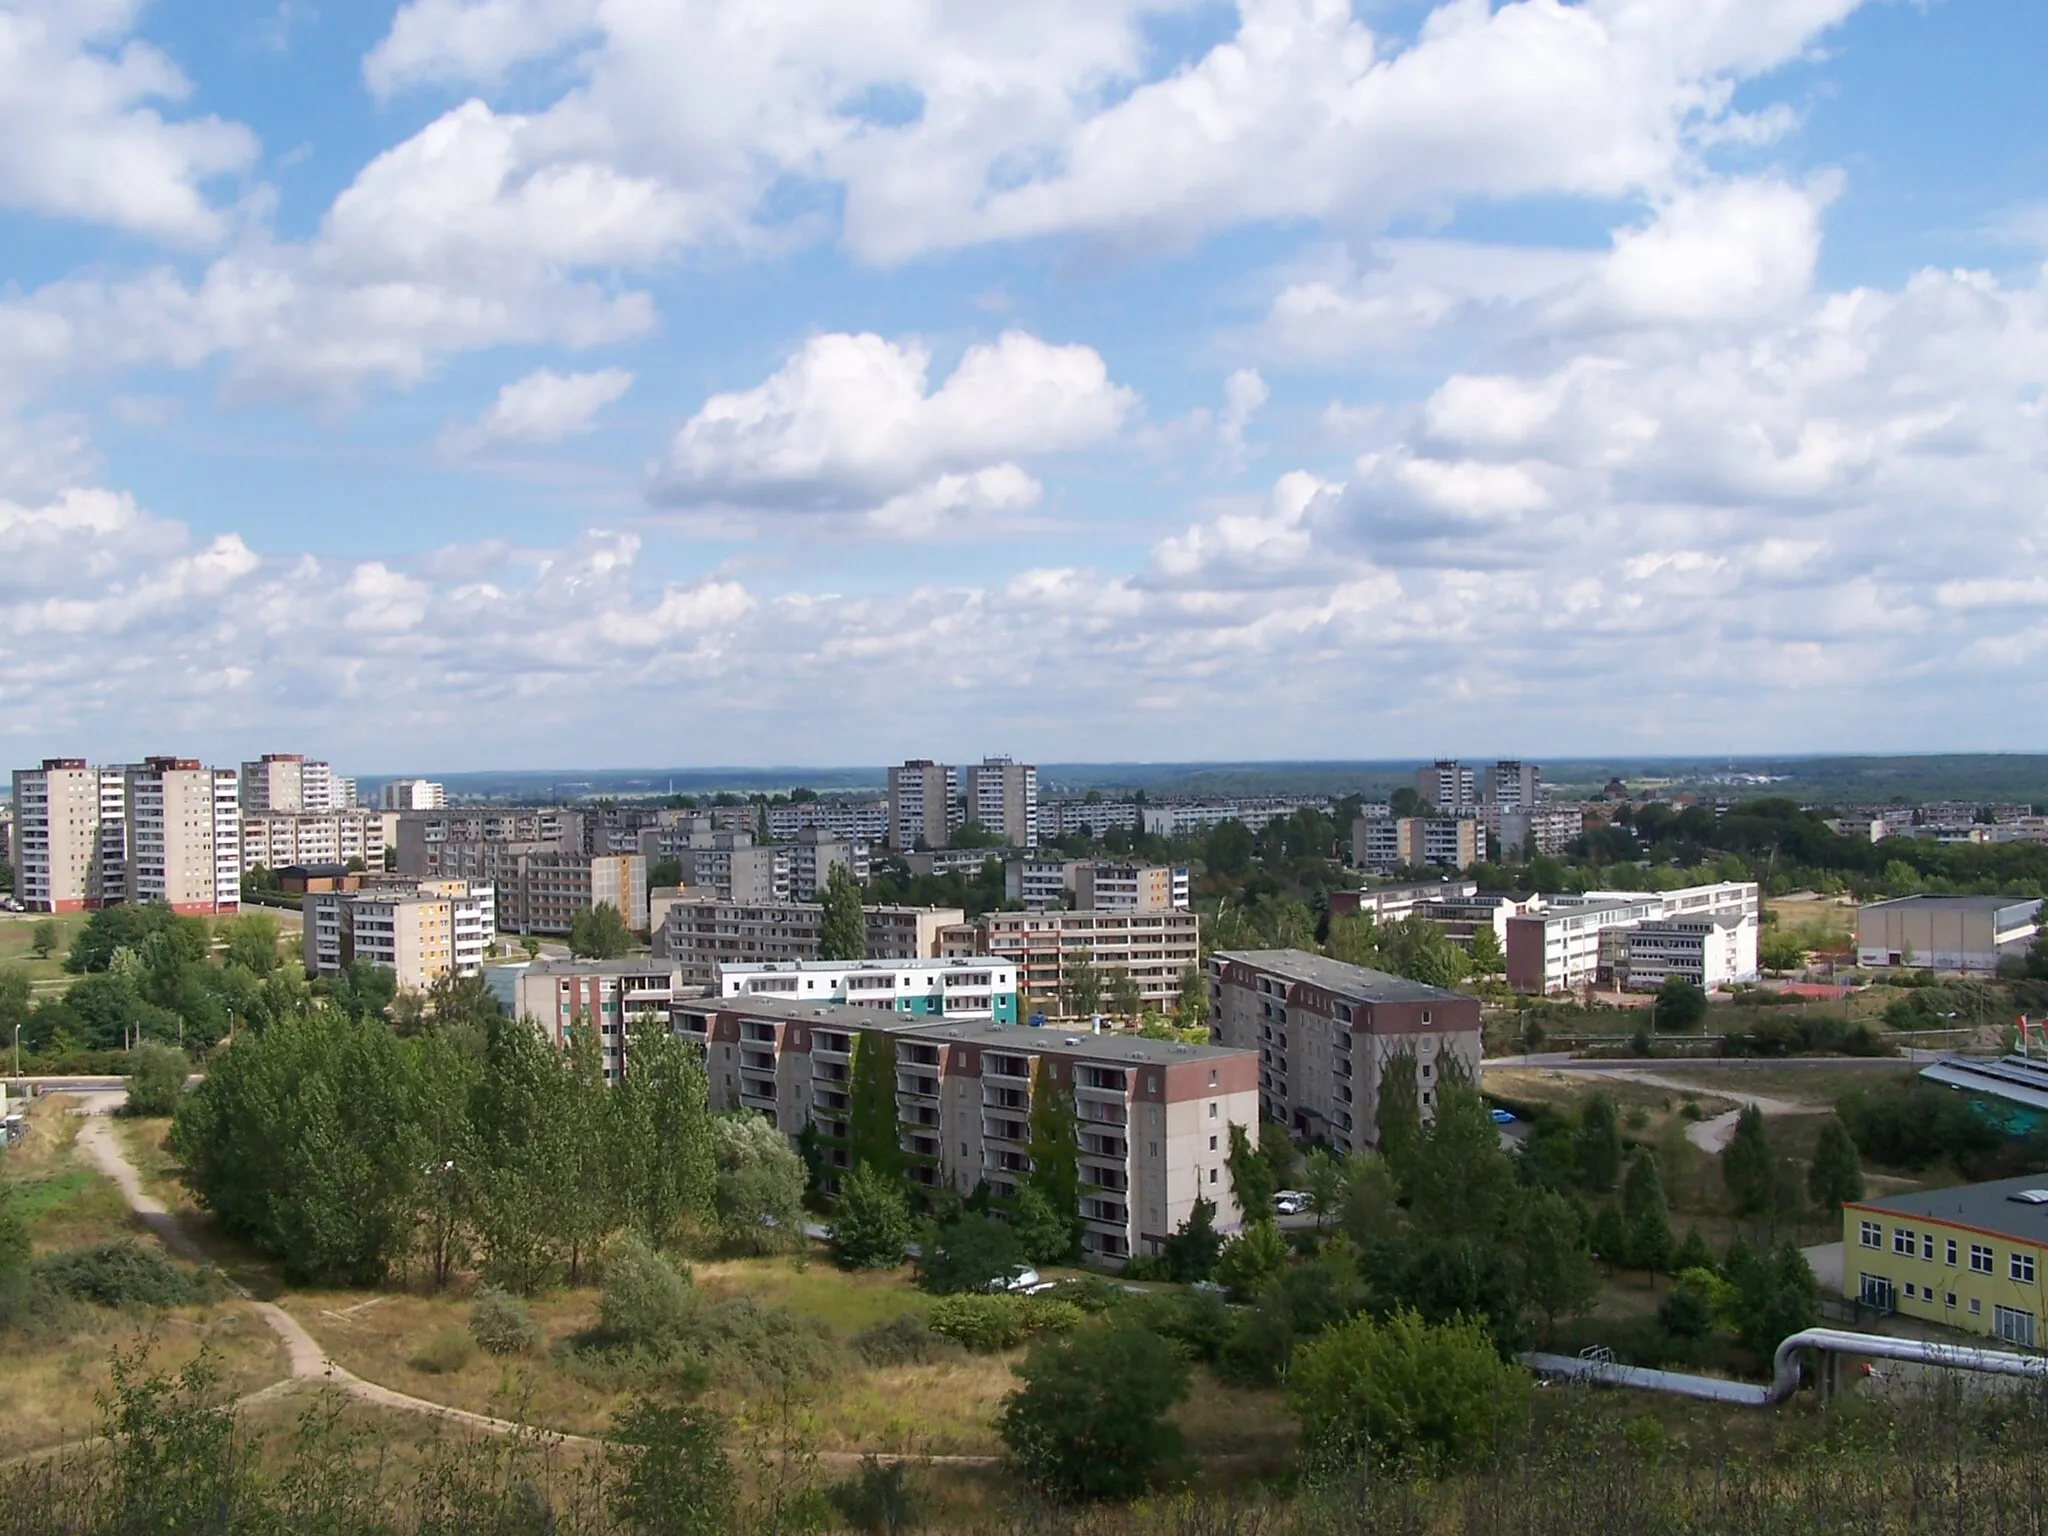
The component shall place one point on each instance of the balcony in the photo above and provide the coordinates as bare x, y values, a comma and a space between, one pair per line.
1114, 1148
1005, 1098
757, 1061
917, 1087
1005, 1130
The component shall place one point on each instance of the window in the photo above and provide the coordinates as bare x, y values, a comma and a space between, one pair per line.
1876, 1291
1980, 1259
1212, 1111
1902, 1241
1976, 1307
1951, 1257
1151, 1149
1927, 1246
1212, 1175
1950, 1301
1873, 1235
2013, 1326
1212, 1143
2020, 1267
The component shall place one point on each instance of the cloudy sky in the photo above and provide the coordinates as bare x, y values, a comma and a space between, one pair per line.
601, 382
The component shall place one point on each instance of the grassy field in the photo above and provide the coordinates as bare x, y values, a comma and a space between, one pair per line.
1818, 1086
17, 929
1830, 922
1645, 1108
64, 1200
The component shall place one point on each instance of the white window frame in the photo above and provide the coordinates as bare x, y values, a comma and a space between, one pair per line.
1872, 1235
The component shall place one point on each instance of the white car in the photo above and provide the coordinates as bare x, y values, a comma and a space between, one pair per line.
1020, 1281
1290, 1202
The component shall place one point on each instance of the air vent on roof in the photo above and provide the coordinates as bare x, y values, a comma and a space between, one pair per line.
2030, 1196
1071, 1040
1183, 1050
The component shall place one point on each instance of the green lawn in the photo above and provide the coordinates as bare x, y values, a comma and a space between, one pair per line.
17, 930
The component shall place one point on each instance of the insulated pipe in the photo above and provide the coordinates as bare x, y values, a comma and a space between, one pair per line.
1953, 1357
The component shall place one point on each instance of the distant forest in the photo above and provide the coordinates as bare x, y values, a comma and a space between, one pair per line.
1983, 777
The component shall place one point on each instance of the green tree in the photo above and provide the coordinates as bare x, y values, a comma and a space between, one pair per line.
599, 933
531, 945
1325, 1177
520, 1109
1774, 1295
1055, 1153
1649, 1218
1609, 1237
250, 941
1228, 849
1090, 1420
1251, 1176
1191, 1006
760, 1191
1780, 950
1420, 950
1398, 1388
1080, 988
1557, 1270
156, 1080
581, 1137
967, 1252
1835, 1176
1354, 939
665, 875
668, 1471
1596, 1144
874, 1139
1122, 996
42, 938
1189, 1253
1276, 1147
1486, 956
444, 1078
1371, 1210
1252, 1261
842, 928
870, 1224
1399, 1114
15, 993
1748, 1166
661, 1161
1457, 1180
1680, 1006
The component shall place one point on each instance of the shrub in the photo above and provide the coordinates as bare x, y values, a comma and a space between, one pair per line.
1252, 1260
748, 1345
447, 1350
125, 1274
1196, 1323
156, 1079
987, 1324
644, 1299
905, 1339
878, 1500
670, 1473
1258, 1349
1091, 1293
966, 1253
1399, 1388
1090, 1420
870, 1224
499, 1324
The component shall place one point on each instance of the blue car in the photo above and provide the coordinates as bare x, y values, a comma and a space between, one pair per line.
1502, 1117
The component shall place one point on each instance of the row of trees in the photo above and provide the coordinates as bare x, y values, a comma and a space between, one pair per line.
348, 1151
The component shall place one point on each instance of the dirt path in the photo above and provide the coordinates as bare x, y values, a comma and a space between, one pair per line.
308, 1361
1715, 1134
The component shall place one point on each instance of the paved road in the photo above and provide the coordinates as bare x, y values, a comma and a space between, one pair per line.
1564, 1061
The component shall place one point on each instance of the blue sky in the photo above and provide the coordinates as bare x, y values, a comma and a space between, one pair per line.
478, 383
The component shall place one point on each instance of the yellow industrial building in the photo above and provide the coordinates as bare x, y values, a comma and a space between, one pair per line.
1974, 1257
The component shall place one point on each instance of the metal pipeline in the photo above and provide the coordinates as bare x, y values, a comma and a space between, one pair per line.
1601, 1367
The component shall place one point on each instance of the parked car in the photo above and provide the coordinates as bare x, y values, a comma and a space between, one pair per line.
1290, 1202
1021, 1280
1502, 1117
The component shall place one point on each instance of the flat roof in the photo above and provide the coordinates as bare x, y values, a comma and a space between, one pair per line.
985, 1032
1957, 903
628, 967
1350, 981
1985, 1207
800, 967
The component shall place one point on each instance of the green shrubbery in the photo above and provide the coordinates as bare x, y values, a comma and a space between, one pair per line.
906, 1339
499, 1324
1090, 1420
125, 1274
989, 1324
156, 1080
446, 1351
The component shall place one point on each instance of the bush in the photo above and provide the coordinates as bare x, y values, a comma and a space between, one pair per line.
1252, 1260
1258, 1349
1091, 1293
748, 1345
988, 1324
966, 1253
1395, 1389
499, 1324
878, 1500
870, 1224
644, 1299
670, 1472
1196, 1323
156, 1079
125, 1274
1090, 1420
905, 1339
446, 1351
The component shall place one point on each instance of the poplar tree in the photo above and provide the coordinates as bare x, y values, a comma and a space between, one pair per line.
1055, 1154
842, 929
1648, 1217
1836, 1175
662, 1170
1596, 1145
523, 1188
1400, 1112
874, 1140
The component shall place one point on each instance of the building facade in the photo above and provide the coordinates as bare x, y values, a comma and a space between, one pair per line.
419, 934
609, 997
1003, 797
1155, 949
923, 804
70, 841
1571, 941
412, 795
279, 839
1974, 1257
1447, 785
1948, 933
1152, 1118
1325, 1033
1710, 950
1131, 887
981, 988
184, 827
1039, 883
1415, 842
701, 933
292, 784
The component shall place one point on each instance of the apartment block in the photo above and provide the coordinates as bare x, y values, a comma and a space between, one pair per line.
950, 861
1448, 785
412, 795
1973, 1257
1092, 818
1948, 933
611, 997
1540, 830
1512, 785
70, 838
1154, 948
859, 821
702, 933
1325, 1033
1559, 946
419, 934
1186, 818
1415, 842
740, 872
184, 826
1003, 797
1710, 950
541, 889
1131, 887
923, 804
457, 844
950, 989
1039, 883
1152, 1118
292, 784
280, 839
813, 856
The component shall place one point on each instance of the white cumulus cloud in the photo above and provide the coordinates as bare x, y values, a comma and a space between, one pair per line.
542, 407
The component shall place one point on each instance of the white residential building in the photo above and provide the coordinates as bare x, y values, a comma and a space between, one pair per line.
1512, 785
412, 795
1039, 883
1710, 950
923, 804
858, 821
1003, 797
1560, 946
279, 839
184, 826
1448, 785
1094, 818
962, 988
1104, 887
